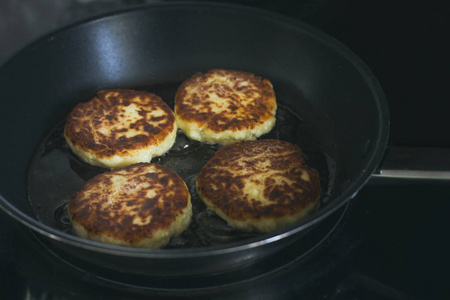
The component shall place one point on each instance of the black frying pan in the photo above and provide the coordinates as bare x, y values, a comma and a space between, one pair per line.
330, 104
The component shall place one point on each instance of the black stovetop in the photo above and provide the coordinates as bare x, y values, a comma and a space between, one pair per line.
392, 241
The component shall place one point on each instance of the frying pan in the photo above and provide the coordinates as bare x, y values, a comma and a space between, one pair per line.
330, 104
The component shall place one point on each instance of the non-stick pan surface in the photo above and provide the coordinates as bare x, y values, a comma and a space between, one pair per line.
330, 104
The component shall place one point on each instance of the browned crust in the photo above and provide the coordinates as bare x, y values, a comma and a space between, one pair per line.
278, 165
101, 212
85, 120
237, 114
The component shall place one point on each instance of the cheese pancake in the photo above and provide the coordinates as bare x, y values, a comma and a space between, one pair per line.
225, 106
259, 186
120, 127
142, 205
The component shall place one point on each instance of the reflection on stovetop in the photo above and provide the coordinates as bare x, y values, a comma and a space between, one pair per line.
390, 244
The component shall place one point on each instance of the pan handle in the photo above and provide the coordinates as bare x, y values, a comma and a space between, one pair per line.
406, 164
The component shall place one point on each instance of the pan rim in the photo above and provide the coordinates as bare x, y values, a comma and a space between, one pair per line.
373, 160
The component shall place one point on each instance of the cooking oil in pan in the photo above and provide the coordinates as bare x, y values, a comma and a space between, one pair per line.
56, 174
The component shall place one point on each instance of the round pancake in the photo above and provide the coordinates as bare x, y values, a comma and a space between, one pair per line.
120, 127
225, 106
259, 186
142, 205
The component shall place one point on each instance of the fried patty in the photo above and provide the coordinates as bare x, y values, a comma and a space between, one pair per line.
259, 186
120, 127
225, 106
142, 205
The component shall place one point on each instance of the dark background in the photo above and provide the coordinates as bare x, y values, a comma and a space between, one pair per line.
394, 241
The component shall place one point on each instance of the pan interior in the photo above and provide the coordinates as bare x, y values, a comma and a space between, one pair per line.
56, 173
330, 103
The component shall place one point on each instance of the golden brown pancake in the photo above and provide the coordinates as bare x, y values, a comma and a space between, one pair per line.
260, 186
142, 205
224, 106
120, 127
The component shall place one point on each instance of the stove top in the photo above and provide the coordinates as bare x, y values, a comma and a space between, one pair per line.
389, 242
